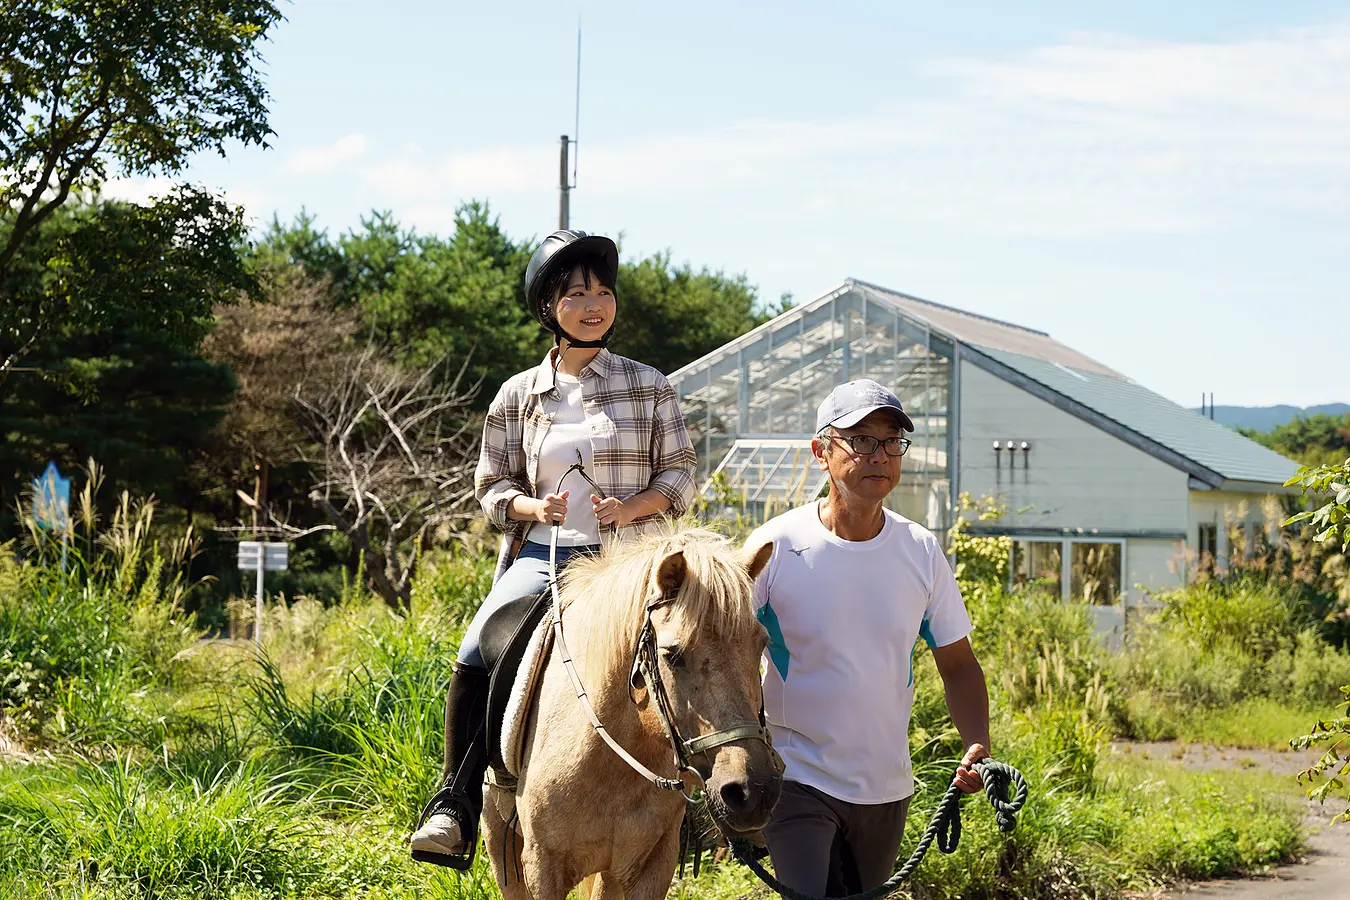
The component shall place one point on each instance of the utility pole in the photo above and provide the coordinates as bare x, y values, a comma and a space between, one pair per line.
564, 215
565, 183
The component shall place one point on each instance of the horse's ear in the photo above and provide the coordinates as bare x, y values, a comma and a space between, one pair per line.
755, 562
671, 573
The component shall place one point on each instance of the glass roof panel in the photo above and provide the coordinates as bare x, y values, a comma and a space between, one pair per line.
762, 469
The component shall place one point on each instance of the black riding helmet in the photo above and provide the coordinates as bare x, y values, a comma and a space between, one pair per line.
560, 252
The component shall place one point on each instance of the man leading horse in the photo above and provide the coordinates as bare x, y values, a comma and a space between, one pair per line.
850, 590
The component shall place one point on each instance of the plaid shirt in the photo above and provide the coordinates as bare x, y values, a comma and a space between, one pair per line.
638, 440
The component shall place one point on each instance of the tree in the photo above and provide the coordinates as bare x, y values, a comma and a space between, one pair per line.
395, 462
672, 315
1331, 483
290, 337
1313, 440
462, 297
147, 416
132, 85
121, 378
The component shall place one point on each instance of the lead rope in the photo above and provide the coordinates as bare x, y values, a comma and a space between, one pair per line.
944, 827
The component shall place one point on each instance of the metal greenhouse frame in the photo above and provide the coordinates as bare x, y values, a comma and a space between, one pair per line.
750, 405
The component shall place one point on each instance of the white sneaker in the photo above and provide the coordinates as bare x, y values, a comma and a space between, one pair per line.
440, 834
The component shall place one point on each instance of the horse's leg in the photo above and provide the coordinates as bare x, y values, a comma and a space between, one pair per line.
652, 880
601, 886
548, 876
498, 837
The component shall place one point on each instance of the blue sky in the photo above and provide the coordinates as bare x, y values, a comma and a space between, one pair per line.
1163, 186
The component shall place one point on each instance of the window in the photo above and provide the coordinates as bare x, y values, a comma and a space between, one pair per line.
1207, 545
1094, 572
1038, 564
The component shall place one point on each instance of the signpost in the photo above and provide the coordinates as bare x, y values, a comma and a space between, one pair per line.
51, 504
260, 556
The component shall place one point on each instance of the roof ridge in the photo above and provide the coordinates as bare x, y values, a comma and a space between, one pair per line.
955, 309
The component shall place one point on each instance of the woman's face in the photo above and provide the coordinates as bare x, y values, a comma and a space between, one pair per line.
585, 312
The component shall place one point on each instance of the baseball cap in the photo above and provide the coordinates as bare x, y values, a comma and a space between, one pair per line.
851, 402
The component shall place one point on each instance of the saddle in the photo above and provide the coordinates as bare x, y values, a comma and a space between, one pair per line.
510, 635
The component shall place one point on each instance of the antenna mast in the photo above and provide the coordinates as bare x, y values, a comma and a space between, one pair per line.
566, 184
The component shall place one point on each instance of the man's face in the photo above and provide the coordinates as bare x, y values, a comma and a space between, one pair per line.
866, 478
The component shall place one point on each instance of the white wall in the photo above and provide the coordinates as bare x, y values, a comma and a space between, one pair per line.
1156, 565
1220, 507
1077, 476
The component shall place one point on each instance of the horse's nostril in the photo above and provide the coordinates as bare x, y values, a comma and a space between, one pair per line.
734, 796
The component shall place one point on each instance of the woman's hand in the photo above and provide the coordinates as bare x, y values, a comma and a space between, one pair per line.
611, 511
553, 508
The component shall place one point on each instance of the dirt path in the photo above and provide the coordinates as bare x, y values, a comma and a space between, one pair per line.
1323, 874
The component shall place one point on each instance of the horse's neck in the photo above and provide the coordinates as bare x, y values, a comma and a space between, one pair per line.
607, 688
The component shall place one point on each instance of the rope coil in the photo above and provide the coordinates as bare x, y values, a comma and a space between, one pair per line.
1000, 779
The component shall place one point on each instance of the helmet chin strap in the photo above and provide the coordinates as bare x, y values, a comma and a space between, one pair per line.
559, 335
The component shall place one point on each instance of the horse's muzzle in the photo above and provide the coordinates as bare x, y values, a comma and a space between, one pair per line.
743, 803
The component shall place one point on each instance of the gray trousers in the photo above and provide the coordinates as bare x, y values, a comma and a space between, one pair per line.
826, 847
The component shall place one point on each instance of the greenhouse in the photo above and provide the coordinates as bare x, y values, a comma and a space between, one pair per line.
1104, 484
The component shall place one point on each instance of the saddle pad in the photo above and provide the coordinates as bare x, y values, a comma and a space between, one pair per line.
523, 689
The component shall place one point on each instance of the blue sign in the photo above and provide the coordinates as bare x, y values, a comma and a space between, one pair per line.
51, 500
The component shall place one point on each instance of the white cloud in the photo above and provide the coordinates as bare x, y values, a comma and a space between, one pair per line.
1093, 135
335, 157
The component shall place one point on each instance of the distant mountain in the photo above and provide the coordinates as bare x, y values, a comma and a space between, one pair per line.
1264, 418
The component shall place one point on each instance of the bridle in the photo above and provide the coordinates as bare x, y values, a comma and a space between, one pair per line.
645, 668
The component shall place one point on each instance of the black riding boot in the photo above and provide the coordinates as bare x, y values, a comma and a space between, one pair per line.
461, 793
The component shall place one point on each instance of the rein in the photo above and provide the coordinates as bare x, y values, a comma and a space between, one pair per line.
644, 667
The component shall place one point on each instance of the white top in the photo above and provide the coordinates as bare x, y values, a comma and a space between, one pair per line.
566, 434
844, 619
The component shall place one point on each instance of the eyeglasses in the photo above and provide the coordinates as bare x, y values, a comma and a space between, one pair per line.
866, 445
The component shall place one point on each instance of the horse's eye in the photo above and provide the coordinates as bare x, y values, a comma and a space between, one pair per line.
674, 655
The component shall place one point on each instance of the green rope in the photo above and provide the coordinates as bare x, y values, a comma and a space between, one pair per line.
945, 828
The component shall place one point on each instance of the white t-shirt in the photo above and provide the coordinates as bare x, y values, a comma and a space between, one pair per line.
567, 433
844, 618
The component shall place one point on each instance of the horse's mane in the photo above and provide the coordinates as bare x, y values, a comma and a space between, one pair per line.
606, 595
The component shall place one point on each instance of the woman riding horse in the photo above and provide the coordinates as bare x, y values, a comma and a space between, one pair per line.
610, 429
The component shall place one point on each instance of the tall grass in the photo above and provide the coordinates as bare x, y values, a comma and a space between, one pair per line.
91, 621
1212, 647
184, 768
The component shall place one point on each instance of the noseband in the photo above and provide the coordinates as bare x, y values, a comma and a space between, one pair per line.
645, 667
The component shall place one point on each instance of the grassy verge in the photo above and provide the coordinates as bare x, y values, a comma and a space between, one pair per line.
175, 768
1256, 722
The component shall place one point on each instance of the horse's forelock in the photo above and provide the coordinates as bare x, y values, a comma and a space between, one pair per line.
606, 596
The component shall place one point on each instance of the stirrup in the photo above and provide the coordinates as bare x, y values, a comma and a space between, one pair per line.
448, 802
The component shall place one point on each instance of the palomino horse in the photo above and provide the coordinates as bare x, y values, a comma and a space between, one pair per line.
582, 812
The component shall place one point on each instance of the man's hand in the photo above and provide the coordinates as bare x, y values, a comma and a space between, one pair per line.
967, 779
611, 511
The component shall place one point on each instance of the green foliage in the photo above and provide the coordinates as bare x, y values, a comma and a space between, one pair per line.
670, 315
1213, 646
132, 87
1321, 439
299, 773
117, 373
981, 562
1332, 519
81, 641
1253, 618
1334, 763
462, 297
